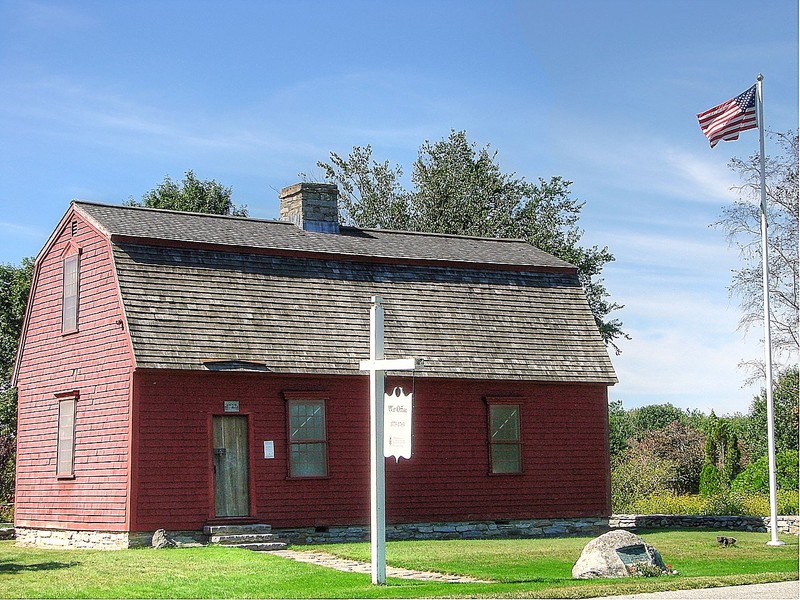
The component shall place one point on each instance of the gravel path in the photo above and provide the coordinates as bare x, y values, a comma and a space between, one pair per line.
324, 559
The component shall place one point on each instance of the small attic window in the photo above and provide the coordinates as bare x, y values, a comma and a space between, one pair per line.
70, 294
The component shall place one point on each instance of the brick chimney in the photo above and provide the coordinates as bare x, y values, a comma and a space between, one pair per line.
311, 206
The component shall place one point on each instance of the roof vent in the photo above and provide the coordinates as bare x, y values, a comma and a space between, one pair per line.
234, 365
311, 206
74, 228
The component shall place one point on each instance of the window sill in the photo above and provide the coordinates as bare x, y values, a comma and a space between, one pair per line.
65, 477
69, 332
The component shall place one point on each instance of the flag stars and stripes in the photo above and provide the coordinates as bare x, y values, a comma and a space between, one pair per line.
725, 121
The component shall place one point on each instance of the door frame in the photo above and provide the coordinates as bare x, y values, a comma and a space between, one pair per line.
251, 504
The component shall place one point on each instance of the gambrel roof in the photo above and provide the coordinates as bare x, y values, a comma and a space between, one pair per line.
202, 291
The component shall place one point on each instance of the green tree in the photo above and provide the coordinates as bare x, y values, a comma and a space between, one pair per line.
638, 476
741, 223
654, 417
785, 404
722, 457
191, 195
680, 445
755, 478
370, 192
15, 283
460, 189
620, 430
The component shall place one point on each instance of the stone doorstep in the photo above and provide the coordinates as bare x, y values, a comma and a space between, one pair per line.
249, 537
252, 529
260, 546
233, 539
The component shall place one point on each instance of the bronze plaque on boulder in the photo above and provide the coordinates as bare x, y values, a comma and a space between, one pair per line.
635, 554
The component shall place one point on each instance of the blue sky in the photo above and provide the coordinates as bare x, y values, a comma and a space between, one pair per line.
101, 100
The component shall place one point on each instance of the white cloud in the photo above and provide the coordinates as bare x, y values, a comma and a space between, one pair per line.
684, 368
637, 162
19, 230
57, 17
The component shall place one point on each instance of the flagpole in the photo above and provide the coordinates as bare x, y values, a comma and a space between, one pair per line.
773, 500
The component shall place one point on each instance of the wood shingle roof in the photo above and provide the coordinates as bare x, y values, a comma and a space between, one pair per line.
201, 291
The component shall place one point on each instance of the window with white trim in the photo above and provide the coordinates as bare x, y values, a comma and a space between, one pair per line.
308, 442
65, 459
70, 294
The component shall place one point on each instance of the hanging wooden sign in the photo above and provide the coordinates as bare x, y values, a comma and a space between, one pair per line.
397, 424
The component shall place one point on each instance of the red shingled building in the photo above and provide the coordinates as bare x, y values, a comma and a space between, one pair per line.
178, 370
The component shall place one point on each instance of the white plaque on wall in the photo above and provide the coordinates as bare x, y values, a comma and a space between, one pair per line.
231, 406
269, 449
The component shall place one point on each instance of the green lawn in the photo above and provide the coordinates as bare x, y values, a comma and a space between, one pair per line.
521, 568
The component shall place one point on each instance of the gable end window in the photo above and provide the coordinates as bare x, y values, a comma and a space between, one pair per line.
65, 459
505, 443
308, 440
70, 294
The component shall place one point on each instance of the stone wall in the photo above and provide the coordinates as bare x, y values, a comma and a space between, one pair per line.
529, 528
786, 524
64, 538
99, 540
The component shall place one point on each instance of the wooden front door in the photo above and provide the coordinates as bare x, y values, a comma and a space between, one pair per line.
231, 466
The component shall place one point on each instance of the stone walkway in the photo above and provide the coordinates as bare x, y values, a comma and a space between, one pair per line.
324, 559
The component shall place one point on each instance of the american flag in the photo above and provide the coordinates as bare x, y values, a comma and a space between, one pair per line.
724, 122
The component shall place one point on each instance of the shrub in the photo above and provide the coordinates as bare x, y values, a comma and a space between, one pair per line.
669, 504
787, 464
710, 480
683, 447
6, 513
755, 478
637, 476
734, 503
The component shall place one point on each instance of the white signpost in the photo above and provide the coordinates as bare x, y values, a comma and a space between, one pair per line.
377, 365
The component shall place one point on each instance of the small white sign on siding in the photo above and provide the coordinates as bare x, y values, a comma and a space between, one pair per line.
397, 421
269, 449
231, 406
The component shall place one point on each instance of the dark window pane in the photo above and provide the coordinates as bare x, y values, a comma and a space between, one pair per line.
307, 439
505, 458
505, 423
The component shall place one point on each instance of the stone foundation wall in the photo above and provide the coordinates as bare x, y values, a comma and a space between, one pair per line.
786, 524
99, 540
144, 539
528, 528
63, 538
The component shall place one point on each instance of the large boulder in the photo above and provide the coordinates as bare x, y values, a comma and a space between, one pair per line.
161, 539
617, 553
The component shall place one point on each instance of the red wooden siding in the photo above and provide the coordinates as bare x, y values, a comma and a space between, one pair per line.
95, 362
563, 427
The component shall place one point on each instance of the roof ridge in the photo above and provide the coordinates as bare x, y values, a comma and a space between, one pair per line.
278, 221
436, 234
180, 212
